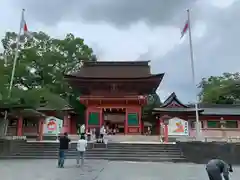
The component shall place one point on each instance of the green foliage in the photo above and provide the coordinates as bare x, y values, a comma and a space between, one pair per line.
223, 89
41, 64
153, 102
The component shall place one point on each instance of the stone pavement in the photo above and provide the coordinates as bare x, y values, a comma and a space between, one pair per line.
102, 170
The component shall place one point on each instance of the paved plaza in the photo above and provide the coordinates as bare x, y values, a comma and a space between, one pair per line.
102, 170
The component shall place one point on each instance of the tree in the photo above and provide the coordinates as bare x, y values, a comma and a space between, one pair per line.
153, 101
41, 64
223, 89
43, 61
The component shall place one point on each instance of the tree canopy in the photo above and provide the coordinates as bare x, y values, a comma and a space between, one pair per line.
41, 64
224, 89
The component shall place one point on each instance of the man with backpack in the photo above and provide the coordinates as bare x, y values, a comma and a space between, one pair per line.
216, 168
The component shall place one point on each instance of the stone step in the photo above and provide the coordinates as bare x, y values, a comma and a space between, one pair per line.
132, 146
98, 154
99, 150
106, 153
110, 144
143, 159
113, 151
112, 148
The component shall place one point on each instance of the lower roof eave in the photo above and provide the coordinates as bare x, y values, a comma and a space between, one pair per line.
220, 114
158, 110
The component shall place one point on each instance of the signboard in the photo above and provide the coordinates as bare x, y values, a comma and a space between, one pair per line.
178, 127
133, 130
52, 126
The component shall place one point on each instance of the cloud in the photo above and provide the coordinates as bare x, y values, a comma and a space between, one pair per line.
122, 13
144, 30
215, 51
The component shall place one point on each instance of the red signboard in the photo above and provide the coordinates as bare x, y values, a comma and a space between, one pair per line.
133, 129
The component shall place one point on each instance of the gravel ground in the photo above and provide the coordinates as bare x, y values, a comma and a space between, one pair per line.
102, 170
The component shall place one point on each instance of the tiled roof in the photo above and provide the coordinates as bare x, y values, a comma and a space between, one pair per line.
173, 102
221, 111
111, 69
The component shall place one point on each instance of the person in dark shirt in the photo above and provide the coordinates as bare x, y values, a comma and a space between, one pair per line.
97, 134
63, 147
216, 168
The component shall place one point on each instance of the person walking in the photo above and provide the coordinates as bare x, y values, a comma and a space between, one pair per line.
216, 168
63, 147
81, 149
102, 133
82, 129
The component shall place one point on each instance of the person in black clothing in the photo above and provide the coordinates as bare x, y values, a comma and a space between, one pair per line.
97, 134
216, 167
63, 147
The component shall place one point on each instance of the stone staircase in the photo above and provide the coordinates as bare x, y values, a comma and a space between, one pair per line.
133, 138
113, 151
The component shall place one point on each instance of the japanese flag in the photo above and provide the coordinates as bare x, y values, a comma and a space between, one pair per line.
185, 29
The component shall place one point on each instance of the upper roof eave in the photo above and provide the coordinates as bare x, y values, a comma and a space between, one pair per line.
116, 63
71, 77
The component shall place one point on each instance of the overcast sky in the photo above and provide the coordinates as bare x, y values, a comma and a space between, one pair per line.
143, 30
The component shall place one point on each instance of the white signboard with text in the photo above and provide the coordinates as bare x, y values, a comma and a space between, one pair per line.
178, 127
52, 125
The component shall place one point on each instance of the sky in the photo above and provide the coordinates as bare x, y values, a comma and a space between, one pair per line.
130, 30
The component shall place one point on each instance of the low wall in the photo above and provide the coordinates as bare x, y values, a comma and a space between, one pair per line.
7, 147
202, 152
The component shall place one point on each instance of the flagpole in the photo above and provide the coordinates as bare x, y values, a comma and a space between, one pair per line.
197, 126
14, 66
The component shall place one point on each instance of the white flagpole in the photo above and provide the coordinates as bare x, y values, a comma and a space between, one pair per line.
14, 66
16, 55
197, 126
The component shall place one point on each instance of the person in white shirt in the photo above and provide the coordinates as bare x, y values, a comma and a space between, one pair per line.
82, 129
81, 148
102, 133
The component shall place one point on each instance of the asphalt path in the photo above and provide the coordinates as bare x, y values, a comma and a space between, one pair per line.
103, 170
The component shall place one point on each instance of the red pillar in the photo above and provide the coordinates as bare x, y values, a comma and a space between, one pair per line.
165, 133
101, 117
126, 122
66, 124
20, 126
86, 118
140, 120
238, 123
158, 126
41, 124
